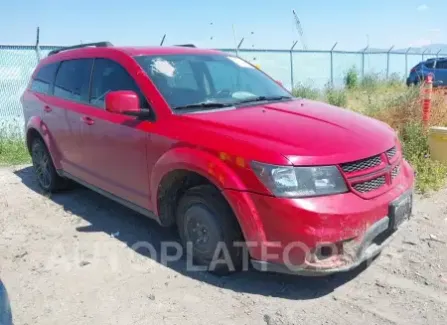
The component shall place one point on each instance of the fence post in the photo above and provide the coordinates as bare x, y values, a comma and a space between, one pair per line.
163, 40
406, 60
363, 61
332, 64
423, 53
291, 65
239, 46
37, 44
388, 62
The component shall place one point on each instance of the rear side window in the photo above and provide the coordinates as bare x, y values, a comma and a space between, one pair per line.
441, 64
110, 76
72, 80
429, 64
44, 78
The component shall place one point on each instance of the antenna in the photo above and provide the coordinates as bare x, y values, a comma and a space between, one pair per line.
299, 29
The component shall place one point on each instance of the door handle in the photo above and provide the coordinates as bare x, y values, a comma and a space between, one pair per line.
47, 108
87, 120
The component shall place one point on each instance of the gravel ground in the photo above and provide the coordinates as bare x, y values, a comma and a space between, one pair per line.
68, 259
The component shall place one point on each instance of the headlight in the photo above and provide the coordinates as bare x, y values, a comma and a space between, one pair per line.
288, 181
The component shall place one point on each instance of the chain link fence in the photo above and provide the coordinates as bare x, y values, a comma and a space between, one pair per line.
291, 67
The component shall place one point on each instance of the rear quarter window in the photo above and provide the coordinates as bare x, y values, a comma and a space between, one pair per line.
44, 78
442, 64
72, 80
429, 64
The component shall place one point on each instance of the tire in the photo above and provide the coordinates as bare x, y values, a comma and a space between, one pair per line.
206, 221
46, 174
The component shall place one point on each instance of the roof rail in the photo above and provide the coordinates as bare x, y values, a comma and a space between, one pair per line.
97, 44
186, 45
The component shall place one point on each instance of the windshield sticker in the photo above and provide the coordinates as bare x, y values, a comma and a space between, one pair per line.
163, 67
240, 62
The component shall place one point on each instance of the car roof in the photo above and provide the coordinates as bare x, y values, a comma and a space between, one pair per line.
79, 50
165, 50
129, 50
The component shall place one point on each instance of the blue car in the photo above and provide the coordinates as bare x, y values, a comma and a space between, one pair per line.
5, 307
437, 67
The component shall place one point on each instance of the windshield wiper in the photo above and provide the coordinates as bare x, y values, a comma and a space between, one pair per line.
262, 99
203, 105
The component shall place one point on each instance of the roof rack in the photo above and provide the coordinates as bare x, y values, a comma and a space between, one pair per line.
187, 45
97, 44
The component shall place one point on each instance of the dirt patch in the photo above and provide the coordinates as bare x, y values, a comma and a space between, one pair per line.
71, 259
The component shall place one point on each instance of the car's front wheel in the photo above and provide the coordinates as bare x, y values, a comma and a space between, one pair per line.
46, 174
209, 230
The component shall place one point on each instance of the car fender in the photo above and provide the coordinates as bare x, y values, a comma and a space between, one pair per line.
203, 163
37, 124
217, 172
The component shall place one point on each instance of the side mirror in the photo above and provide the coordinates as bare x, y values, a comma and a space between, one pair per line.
123, 102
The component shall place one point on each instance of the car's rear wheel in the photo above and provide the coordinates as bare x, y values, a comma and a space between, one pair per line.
46, 174
209, 230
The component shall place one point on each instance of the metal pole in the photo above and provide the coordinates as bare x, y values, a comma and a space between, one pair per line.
406, 60
437, 54
292, 83
423, 53
388, 62
37, 44
332, 64
239, 46
363, 61
163, 40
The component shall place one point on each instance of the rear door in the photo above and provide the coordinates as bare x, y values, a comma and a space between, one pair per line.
37, 101
114, 145
441, 73
69, 98
428, 67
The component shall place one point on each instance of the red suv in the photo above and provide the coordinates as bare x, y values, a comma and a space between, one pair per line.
205, 141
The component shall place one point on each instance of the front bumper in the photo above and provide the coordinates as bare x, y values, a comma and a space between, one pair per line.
289, 235
367, 250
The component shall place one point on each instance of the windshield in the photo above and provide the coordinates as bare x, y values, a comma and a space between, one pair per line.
207, 81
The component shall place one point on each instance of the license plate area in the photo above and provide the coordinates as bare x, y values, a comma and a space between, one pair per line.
400, 210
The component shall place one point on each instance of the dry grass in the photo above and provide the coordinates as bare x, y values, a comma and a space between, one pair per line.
401, 108
392, 102
13, 150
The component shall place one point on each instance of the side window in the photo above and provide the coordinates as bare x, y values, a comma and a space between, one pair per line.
441, 64
44, 78
429, 64
72, 80
110, 76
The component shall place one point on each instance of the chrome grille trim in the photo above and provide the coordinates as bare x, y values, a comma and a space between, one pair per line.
390, 153
395, 172
362, 164
370, 185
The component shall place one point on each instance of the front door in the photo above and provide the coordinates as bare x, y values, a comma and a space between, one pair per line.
65, 96
114, 153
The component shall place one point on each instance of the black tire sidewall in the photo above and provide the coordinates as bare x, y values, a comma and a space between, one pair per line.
38, 144
223, 221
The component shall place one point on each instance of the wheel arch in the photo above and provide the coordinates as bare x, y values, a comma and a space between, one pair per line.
183, 168
36, 128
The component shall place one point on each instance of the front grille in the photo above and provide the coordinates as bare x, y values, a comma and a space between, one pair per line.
391, 152
395, 172
370, 185
363, 164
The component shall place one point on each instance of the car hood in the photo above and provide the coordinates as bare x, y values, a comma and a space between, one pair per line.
304, 131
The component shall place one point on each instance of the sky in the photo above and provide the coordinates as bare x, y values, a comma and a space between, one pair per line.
262, 24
